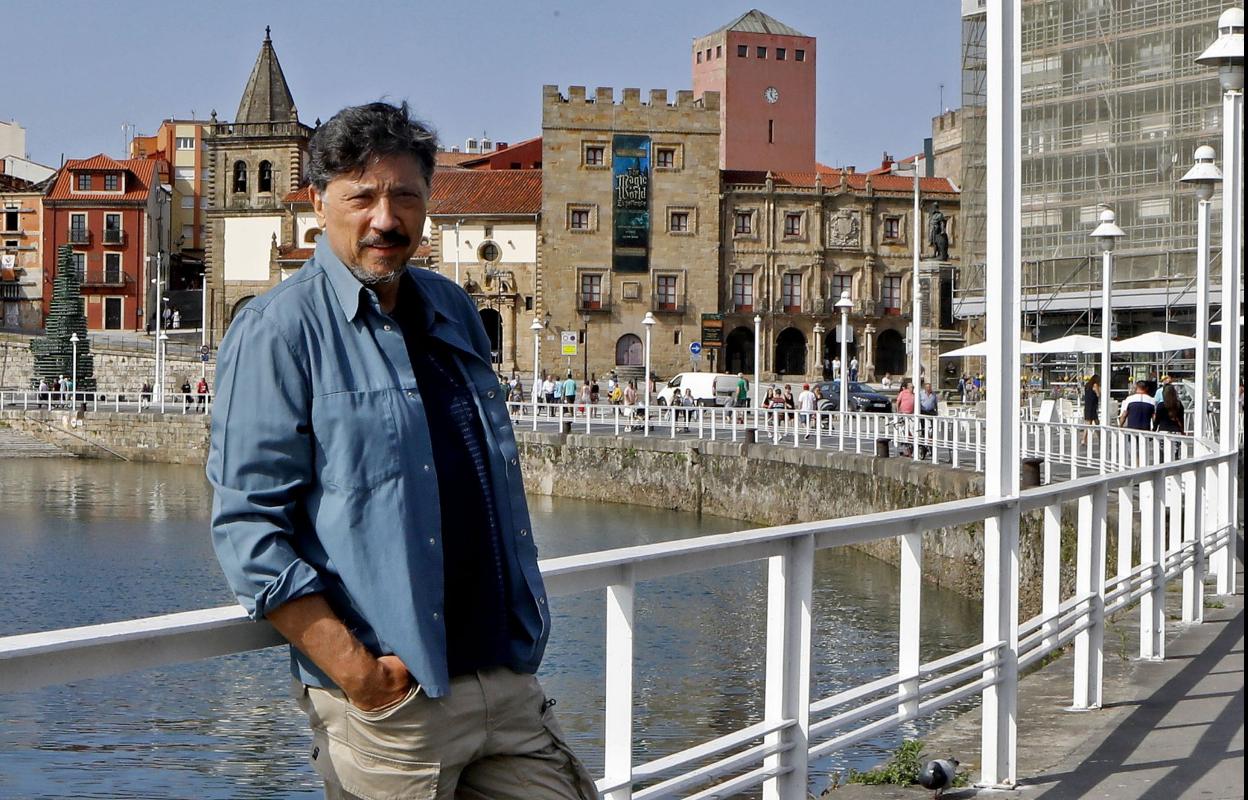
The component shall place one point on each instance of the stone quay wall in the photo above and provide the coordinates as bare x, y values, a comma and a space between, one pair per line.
117, 370
760, 484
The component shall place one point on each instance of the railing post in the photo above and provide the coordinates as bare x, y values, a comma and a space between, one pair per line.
787, 695
1193, 520
1051, 595
1225, 516
1126, 529
1090, 579
909, 613
1152, 554
1074, 451
618, 718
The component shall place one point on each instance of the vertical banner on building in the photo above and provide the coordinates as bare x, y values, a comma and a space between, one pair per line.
630, 174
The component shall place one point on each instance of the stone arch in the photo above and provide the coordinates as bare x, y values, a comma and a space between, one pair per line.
238, 306
890, 353
790, 352
739, 351
629, 351
264, 177
492, 321
240, 176
309, 236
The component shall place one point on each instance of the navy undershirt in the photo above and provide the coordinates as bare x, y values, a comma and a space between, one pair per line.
476, 607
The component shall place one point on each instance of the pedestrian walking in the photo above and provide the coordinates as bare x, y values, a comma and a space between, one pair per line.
1138, 411
186, 393
1091, 404
201, 393
853, 369
905, 408
807, 403
177, 319
929, 404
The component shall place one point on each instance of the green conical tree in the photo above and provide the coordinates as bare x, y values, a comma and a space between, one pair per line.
54, 352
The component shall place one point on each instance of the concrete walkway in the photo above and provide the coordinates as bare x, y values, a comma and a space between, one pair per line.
1169, 729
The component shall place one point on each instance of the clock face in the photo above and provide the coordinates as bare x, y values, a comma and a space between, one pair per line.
771, 94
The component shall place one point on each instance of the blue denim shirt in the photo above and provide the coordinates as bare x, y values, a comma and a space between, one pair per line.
323, 472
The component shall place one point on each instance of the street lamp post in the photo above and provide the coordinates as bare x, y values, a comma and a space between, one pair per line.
537, 328
844, 305
819, 332
162, 347
758, 324
73, 369
1106, 234
585, 346
1204, 176
158, 281
647, 321
1227, 54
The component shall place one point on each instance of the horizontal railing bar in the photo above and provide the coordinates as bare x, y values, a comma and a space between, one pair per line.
711, 771
974, 651
853, 715
949, 698
740, 783
856, 693
953, 678
653, 769
856, 736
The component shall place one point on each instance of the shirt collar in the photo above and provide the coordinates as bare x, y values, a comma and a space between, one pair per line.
349, 290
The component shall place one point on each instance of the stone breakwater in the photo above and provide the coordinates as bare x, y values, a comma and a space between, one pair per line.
117, 370
759, 484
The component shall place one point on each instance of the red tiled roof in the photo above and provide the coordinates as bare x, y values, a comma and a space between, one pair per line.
288, 252
447, 158
517, 191
138, 190
830, 178
529, 150
301, 195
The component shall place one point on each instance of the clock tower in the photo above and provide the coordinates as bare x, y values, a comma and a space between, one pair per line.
764, 72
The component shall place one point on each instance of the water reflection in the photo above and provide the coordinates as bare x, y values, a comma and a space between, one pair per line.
84, 542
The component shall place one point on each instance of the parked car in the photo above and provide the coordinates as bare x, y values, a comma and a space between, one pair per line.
861, 398
708, 388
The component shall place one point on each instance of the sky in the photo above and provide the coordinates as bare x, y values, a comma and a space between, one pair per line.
468, 68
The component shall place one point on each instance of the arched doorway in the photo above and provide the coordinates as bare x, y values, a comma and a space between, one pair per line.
832, 346
628, 351
493, 322
890, 354
239, 306
739, 351
791, 352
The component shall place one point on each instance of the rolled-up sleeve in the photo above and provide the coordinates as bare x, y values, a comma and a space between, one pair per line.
260, 464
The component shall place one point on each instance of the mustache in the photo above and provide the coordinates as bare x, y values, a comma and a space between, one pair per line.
385, 239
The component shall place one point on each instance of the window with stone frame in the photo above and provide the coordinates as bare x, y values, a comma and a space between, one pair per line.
264, 178
743, 292
678, 222
595, 155
743, 223
591, 291
240, 176
581, 218
665, 293
791, 292
890, 295
665, 157
841, 282
112, 182
83, 181
793, 224
892, 227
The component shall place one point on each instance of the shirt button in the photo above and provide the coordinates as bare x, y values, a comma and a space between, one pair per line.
411, 395
513, 462
432, 540
426, 468
435, 615
385, 327
541, 601
524, 531
490, 394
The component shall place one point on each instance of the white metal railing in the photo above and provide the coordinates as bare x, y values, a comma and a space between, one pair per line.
95, 402
958, 439
1183, 527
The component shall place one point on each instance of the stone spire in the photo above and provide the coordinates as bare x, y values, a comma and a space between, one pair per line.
267, 98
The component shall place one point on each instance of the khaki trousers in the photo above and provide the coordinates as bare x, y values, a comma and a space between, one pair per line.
494, 737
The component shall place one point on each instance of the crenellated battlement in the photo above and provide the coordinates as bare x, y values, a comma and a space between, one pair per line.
630, 98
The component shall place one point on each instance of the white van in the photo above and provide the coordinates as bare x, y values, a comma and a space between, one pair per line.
708, 388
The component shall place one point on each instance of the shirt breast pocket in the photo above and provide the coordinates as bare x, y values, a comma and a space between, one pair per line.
357, 442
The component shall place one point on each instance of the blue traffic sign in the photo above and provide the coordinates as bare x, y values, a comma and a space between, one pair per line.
695, 348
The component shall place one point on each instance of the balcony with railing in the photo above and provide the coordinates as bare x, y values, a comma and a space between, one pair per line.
106, 278
79, 236
114, 236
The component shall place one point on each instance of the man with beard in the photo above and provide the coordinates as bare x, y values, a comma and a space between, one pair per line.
369, 501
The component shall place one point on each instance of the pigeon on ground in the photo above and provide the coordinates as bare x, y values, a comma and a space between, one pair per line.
937, 775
